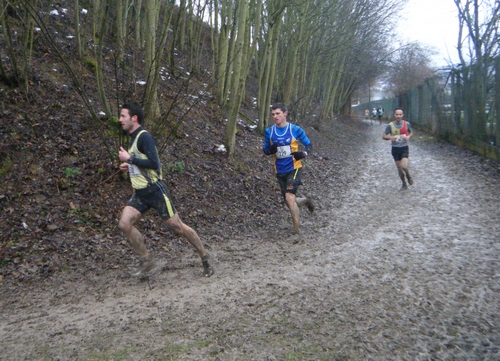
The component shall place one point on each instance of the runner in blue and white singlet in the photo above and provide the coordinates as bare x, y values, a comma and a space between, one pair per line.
282, 140
287, 140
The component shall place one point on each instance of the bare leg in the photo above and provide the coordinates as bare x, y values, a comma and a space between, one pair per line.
176, 225
303, 201
291, 203
405, 168
129, 217
401, 173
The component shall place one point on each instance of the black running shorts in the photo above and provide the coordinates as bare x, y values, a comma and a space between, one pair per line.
399, 153
290, 182
155, 196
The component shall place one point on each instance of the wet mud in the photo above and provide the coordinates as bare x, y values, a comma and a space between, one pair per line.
376, 274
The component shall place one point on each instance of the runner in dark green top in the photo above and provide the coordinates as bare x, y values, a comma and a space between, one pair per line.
142, 163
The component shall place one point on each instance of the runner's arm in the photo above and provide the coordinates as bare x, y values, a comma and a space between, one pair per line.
300, 134
268, 148
387, 133
409, 130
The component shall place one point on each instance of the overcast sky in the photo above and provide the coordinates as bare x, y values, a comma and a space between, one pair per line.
432, 22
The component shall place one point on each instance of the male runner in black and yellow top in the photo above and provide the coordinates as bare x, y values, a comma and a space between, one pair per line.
399, 133
142, 163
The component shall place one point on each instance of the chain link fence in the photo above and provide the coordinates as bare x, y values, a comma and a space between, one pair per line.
461, 106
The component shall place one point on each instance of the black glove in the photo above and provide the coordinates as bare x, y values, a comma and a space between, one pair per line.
273, 148
299, 155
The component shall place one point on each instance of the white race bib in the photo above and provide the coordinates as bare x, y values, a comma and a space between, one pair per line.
284, 151
400, 139
133, 170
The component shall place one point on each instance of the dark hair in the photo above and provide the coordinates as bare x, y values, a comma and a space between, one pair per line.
134, 109
398, 109
279, 106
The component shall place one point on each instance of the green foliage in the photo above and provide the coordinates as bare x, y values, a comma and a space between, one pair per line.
113, 122
115, 129
90, 64
80, 217
5, 166
70, 172
177, 167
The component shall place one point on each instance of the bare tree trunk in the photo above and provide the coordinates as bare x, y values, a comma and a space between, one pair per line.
150, 100
99, 57
242, 44
78, 36
223, 57
122, 9
138, 24
16, 71
268, 64
96, 18
214, 26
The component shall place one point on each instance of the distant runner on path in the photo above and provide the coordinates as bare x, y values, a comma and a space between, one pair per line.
380, 113
142, 163
399, 133
282, 140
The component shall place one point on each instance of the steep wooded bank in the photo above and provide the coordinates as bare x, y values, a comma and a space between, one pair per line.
303, 53
66, 67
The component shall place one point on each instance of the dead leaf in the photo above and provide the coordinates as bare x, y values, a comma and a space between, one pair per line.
51, 227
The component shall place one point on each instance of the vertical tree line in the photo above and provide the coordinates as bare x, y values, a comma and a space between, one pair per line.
309, 54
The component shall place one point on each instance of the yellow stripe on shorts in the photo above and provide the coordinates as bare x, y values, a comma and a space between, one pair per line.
169, 206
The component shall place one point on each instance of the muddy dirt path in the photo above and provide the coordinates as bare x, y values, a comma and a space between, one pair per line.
377, 274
